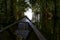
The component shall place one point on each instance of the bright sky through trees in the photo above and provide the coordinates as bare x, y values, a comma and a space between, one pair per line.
29, 13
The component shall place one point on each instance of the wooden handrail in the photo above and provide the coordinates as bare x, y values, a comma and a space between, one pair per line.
37, 32
25, 19
9, 26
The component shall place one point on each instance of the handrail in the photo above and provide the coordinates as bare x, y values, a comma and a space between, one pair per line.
37, 32
25, 19
11, 25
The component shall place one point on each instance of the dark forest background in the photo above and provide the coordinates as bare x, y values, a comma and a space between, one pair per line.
49, 10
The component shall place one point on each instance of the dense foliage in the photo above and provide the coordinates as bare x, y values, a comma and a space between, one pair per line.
49, 11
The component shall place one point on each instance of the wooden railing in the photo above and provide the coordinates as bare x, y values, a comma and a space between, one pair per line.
25, 19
